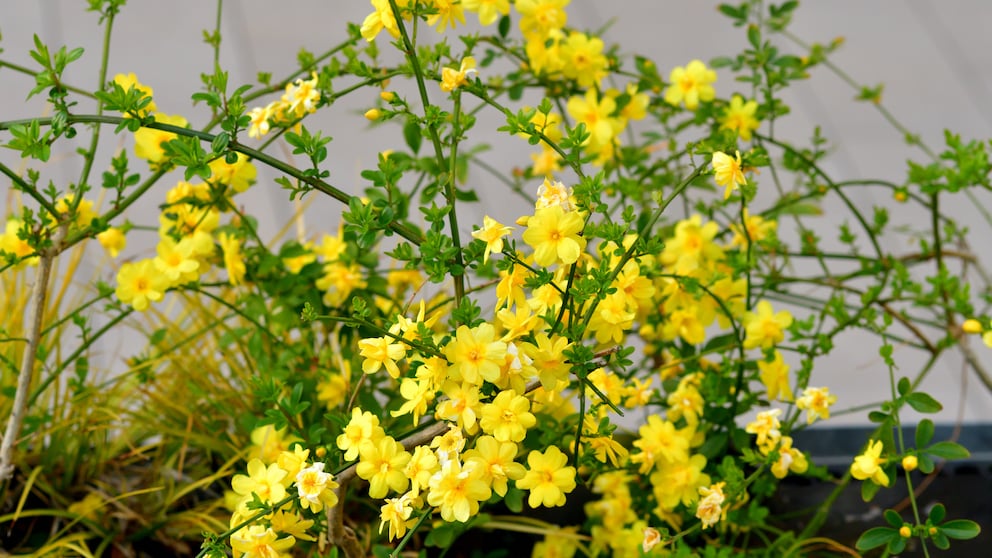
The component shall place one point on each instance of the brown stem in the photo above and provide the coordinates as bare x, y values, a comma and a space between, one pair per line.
39, 292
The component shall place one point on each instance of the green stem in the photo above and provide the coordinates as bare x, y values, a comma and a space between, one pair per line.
404, 231
418, 74
90, 154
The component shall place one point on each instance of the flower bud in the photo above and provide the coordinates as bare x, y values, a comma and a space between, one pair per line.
971, 325
909, 463
373, 114
387, 96
905, 532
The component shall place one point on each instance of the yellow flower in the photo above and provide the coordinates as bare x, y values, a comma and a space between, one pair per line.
488, 10
462, 404
257, 541
727, 172
660, 442
547, 478
584, 59
446, 13
112, 240
710, 509
494, 462
597, 115
381, 18
127, 81
270, 443
264, 481
971, 325
544, 53
148, 141
290, 523
789, 459
612, 318
302, 96
316, 488
555, 236
492, 233
867, 465
541, 16
554, 193
239, 175
362, 428
259, 121
692, 247
338, 282
234, 261
373, 114
380, 352
758, 229
766, 425
691, 85
422, 465
679, 482
739, 117
176, 262
457, 491
775, 376
547, 357
475, 354
816, 402
396, 512
765, 329
452, 79
84, 213
140, 283
11, 244
508, 417
382, 465
651, 539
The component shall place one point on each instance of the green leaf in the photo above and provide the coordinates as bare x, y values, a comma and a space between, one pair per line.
948, 450
875, 537
893, 518
754, 36
923, 402
868, 490
924, 433
412, 135
504, 26
904, 386
960, 529
514, 500
937, 514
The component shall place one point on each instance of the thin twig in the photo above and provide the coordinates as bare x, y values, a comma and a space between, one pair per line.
39, 292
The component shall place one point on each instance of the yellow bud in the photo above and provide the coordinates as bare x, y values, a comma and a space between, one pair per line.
971, 325
932, 530
373, 114
909, 463
905, 532
387, 96
320, 452
900, 196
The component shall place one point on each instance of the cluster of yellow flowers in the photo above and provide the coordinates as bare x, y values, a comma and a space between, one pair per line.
302, 97
188, 224
278, 467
